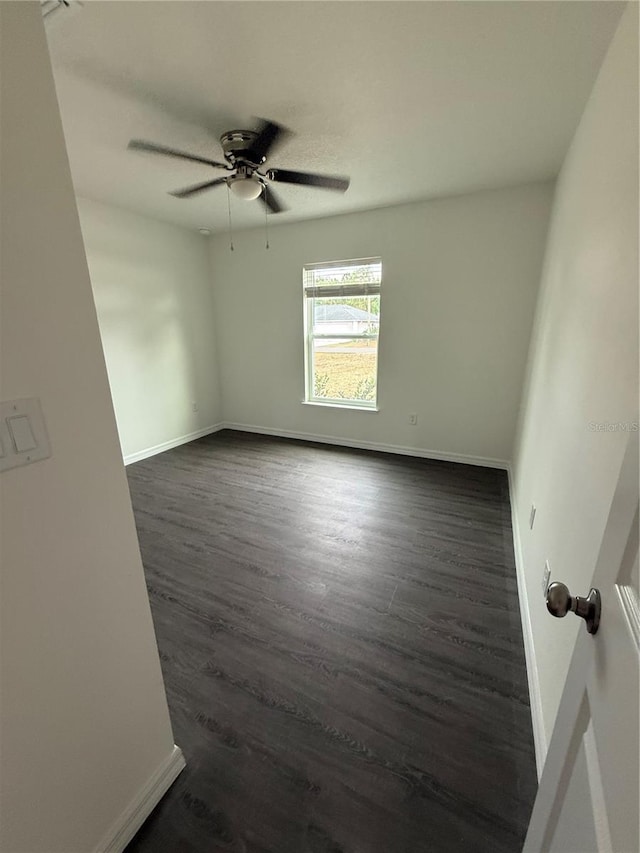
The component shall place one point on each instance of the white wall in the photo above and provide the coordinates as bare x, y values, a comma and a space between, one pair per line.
583, 366
84, 717
460, 278
152, 287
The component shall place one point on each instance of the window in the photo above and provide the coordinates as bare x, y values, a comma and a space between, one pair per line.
341, 324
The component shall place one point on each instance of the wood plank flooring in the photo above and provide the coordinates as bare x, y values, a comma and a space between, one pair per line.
341, 646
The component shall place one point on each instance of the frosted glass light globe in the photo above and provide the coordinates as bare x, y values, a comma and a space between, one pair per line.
246, 188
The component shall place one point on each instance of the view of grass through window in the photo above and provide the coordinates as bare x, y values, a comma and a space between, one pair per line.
342, 333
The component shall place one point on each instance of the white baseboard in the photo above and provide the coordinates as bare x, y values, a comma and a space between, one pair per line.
174, 442
484, 461
143, 804
535, 698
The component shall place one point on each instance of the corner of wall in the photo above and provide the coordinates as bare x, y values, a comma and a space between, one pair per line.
132, 818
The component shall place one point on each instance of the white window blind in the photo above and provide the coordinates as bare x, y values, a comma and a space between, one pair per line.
361, 277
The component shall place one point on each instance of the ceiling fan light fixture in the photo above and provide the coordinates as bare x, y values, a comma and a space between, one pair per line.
247, 188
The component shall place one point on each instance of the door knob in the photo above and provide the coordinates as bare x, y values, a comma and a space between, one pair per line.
560, 602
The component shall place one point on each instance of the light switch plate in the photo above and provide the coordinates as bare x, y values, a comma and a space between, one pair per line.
21, 433
22, 426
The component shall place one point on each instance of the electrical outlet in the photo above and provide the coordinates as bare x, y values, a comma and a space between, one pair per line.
532, 516
546, 577
413, 419
194, 406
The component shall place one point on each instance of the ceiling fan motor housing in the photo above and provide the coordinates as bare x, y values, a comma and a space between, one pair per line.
237, 142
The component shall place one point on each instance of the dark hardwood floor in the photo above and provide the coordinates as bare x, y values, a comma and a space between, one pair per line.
341, 647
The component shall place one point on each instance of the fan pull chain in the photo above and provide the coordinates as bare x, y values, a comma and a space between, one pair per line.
230, 226
266, 218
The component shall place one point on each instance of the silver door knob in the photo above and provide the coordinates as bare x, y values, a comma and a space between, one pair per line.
560, 602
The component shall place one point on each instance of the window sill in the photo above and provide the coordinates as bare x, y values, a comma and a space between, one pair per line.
350, 406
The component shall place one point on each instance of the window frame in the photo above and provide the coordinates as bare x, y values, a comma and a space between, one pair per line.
355, 290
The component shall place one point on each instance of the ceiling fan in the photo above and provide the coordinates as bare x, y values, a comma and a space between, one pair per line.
246, 152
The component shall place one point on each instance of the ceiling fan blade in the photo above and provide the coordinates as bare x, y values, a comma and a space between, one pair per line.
271, 200
152, 148
330, 182
268, 135
187, 192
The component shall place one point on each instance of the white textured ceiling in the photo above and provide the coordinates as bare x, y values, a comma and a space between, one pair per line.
411, 99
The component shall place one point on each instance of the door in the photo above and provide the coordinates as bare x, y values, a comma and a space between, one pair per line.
588, 798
